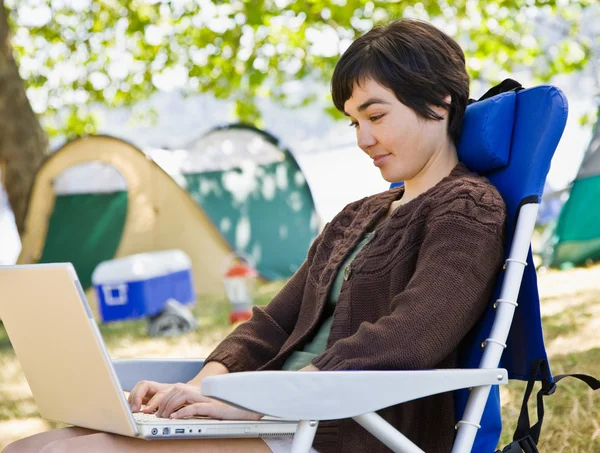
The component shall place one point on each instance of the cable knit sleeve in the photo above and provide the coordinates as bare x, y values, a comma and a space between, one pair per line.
256, 341
458, 260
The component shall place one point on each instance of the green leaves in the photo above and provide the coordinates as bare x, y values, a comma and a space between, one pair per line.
121, 51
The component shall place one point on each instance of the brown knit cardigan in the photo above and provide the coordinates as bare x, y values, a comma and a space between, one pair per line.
411, 296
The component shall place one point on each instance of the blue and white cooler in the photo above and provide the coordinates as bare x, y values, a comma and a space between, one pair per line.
140, 286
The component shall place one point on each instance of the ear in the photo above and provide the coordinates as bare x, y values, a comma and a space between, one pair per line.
448, 101
441, 111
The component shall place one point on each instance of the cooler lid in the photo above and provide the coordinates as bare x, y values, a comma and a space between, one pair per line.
141, 266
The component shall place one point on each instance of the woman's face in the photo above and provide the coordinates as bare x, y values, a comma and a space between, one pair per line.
400, 142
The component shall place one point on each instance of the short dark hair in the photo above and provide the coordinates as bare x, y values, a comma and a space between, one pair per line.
419, 63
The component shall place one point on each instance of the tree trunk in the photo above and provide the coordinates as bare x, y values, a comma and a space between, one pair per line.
23, 142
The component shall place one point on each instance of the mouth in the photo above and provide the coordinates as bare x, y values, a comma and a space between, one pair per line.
380, 159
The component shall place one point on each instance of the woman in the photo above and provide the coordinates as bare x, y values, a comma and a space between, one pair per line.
394, 282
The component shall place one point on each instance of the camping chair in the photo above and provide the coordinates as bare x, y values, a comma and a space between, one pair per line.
510, 138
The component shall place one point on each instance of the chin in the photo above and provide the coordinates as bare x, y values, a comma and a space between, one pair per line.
391, 178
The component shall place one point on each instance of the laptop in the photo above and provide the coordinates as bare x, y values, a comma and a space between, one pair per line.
59, 346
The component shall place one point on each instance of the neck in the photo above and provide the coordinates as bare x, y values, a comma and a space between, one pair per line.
437, 168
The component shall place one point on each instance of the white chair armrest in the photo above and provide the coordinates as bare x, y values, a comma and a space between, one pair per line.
169, 371
330, 395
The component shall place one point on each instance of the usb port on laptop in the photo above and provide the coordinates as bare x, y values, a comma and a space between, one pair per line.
179, 431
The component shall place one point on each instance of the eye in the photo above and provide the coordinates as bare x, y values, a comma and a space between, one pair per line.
376, 117
353, 124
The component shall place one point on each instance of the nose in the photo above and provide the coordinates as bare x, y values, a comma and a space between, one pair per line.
365, 138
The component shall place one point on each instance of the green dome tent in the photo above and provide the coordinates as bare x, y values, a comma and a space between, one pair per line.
88, 219
255, 194
577, 233
99, 198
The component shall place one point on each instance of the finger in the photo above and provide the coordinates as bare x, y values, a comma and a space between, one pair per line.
216, 410
165, 398
141, 391
137, 394
196, 409
178, 399
154, 402
184, 396
131, 394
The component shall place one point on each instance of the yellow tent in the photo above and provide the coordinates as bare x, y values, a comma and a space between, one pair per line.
145, 210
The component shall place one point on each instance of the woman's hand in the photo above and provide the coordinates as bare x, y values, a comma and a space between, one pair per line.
149, 393
185, 400
152, 393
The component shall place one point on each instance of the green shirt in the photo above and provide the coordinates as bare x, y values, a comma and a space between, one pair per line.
301, 358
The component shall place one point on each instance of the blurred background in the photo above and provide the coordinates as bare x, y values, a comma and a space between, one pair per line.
133, 127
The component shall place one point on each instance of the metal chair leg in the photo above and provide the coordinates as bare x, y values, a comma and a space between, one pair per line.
305, 434
386, 433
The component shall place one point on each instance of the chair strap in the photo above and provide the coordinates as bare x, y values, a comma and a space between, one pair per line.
502, 87
541, 368
527, 437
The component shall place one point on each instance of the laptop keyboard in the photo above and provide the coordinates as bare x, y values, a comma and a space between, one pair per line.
143, 417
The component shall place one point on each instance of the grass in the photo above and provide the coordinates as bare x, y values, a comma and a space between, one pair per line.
570, 308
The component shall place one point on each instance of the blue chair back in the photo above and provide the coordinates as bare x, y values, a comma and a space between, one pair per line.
540, 115
510, 138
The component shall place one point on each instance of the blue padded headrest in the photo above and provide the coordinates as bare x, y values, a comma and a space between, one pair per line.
486, 135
